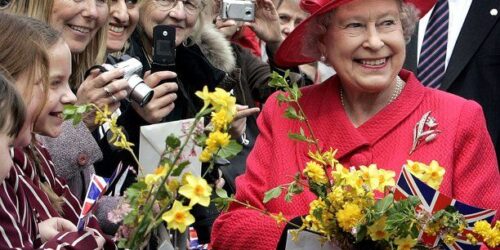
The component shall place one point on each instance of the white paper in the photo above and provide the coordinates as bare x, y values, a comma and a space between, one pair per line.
308, 241
152, 145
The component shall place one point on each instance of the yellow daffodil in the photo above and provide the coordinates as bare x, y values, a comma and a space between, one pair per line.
405, 243
355, 180
370, 175
377, 230
178, 217
197, 190
221, 99
416, 168
433, 175
340, 173
315, 172
349, 216
204, 95
385, 179
172, 185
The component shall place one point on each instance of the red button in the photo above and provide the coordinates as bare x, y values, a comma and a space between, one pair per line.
361, 159
83, 159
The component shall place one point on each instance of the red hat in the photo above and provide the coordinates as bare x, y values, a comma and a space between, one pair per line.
291, 52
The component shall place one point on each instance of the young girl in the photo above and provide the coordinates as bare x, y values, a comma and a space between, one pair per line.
12, 113
32, 197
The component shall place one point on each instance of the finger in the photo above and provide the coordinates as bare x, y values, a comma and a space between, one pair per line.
64, 225
246, 113
165, 88
154, 79
166, 100
106, 77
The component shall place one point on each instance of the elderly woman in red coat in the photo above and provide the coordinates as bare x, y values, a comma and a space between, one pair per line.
368, 111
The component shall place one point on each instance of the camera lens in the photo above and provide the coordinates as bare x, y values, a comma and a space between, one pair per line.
139, 92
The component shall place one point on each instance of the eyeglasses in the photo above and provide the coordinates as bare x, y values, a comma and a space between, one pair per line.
190, 6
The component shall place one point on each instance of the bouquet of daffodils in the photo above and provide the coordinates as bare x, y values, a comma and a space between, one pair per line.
359, 205
167, 195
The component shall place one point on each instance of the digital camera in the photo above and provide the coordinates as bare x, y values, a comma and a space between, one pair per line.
137, 90
238, 10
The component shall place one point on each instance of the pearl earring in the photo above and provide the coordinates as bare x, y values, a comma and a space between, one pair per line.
322, 58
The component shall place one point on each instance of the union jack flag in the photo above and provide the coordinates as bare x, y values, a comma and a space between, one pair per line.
433, 201
95, 190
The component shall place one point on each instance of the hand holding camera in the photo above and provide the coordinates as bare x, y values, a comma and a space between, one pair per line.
102, 88
260, 15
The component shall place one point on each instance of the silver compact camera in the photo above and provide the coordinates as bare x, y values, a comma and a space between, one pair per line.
137, 90
238, 10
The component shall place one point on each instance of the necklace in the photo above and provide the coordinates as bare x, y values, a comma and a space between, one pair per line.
397, 90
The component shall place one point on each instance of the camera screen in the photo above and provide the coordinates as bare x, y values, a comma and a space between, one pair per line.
164, 48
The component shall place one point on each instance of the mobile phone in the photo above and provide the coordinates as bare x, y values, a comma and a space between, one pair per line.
163, 49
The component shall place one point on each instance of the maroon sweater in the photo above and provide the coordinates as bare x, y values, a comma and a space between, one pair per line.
23, 204
463, 148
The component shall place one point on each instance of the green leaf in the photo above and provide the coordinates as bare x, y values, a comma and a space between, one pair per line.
291, 113
297, 137
231, 150
172, 141
282, 98
222, 193
200, 139
362, 230
81, 109
222, 204
272, 194
178, 170
296, 94
382, 205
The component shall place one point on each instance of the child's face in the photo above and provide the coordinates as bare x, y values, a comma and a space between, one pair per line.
33, 98
59, 93
6, 161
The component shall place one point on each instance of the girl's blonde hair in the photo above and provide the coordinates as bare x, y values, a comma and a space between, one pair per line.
24, 43
94, 53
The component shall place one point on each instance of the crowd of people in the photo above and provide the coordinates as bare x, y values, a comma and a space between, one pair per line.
355, 59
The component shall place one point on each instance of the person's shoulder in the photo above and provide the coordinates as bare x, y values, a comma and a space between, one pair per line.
454, 102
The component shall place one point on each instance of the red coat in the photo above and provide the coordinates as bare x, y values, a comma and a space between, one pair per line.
463, 147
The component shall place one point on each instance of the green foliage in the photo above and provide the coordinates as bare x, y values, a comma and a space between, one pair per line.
178, 169
222, 201
75, 113
231, 150
294, 188
172, 142
272, 194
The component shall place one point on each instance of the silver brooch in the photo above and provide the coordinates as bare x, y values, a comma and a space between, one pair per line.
425, 131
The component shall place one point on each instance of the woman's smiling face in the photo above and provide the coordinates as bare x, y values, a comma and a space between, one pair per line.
79, 21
